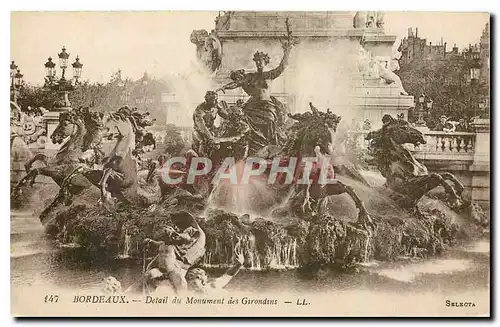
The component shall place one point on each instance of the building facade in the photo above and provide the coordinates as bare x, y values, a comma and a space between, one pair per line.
484, 55
458, 80
413, 48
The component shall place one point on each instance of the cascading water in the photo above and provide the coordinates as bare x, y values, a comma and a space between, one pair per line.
65, 236
254, 197
284, 255
218, 255
67, 240
189, 87
126, 246
253, 255
281, 255
367, 246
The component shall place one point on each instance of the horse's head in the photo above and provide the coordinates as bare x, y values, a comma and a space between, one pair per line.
94, 120
143, 119
311, 130
392, 158
331, 121
392, 136
149, 139
116, 126
406, 134
147, 142
67, 126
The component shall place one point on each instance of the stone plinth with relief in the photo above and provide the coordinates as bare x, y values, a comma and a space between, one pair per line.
338, 51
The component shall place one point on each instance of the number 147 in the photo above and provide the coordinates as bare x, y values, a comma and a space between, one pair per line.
51, 298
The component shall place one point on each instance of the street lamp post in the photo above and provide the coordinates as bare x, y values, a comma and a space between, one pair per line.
475, 66
77, 70
421, 122
50, 71
62, 86
13, 69
16, 80
429, 105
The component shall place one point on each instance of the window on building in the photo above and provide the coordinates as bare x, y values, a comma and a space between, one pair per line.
474, 73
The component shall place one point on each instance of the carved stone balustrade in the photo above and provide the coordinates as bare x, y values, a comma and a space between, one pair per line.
446, 146
439, 146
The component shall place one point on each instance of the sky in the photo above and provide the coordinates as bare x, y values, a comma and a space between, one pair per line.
158, 42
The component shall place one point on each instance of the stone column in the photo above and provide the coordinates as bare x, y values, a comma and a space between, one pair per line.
480, 167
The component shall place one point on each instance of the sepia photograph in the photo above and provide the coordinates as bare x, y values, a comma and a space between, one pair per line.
250, 164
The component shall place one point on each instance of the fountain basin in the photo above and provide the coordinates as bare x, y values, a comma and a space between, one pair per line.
268, 244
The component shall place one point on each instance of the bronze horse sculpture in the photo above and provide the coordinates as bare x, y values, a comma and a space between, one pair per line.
408, 178
81, 132
119, 168
65, 166
310, 136
92, 141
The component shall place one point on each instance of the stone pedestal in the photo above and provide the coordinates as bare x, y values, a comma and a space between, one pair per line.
481, 162
482, 145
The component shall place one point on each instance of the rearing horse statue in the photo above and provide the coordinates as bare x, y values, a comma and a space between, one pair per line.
119, 168
64, 166
312, 135
406, 176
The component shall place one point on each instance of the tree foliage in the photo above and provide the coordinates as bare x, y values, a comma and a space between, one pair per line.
35, 97
447, 82
144, 93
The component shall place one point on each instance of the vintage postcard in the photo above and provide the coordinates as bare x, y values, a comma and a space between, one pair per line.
250, 164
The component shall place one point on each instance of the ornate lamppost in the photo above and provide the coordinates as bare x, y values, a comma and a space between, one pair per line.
475, 65
16, 81
421, 122
62, 86
430, 103
77, 70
